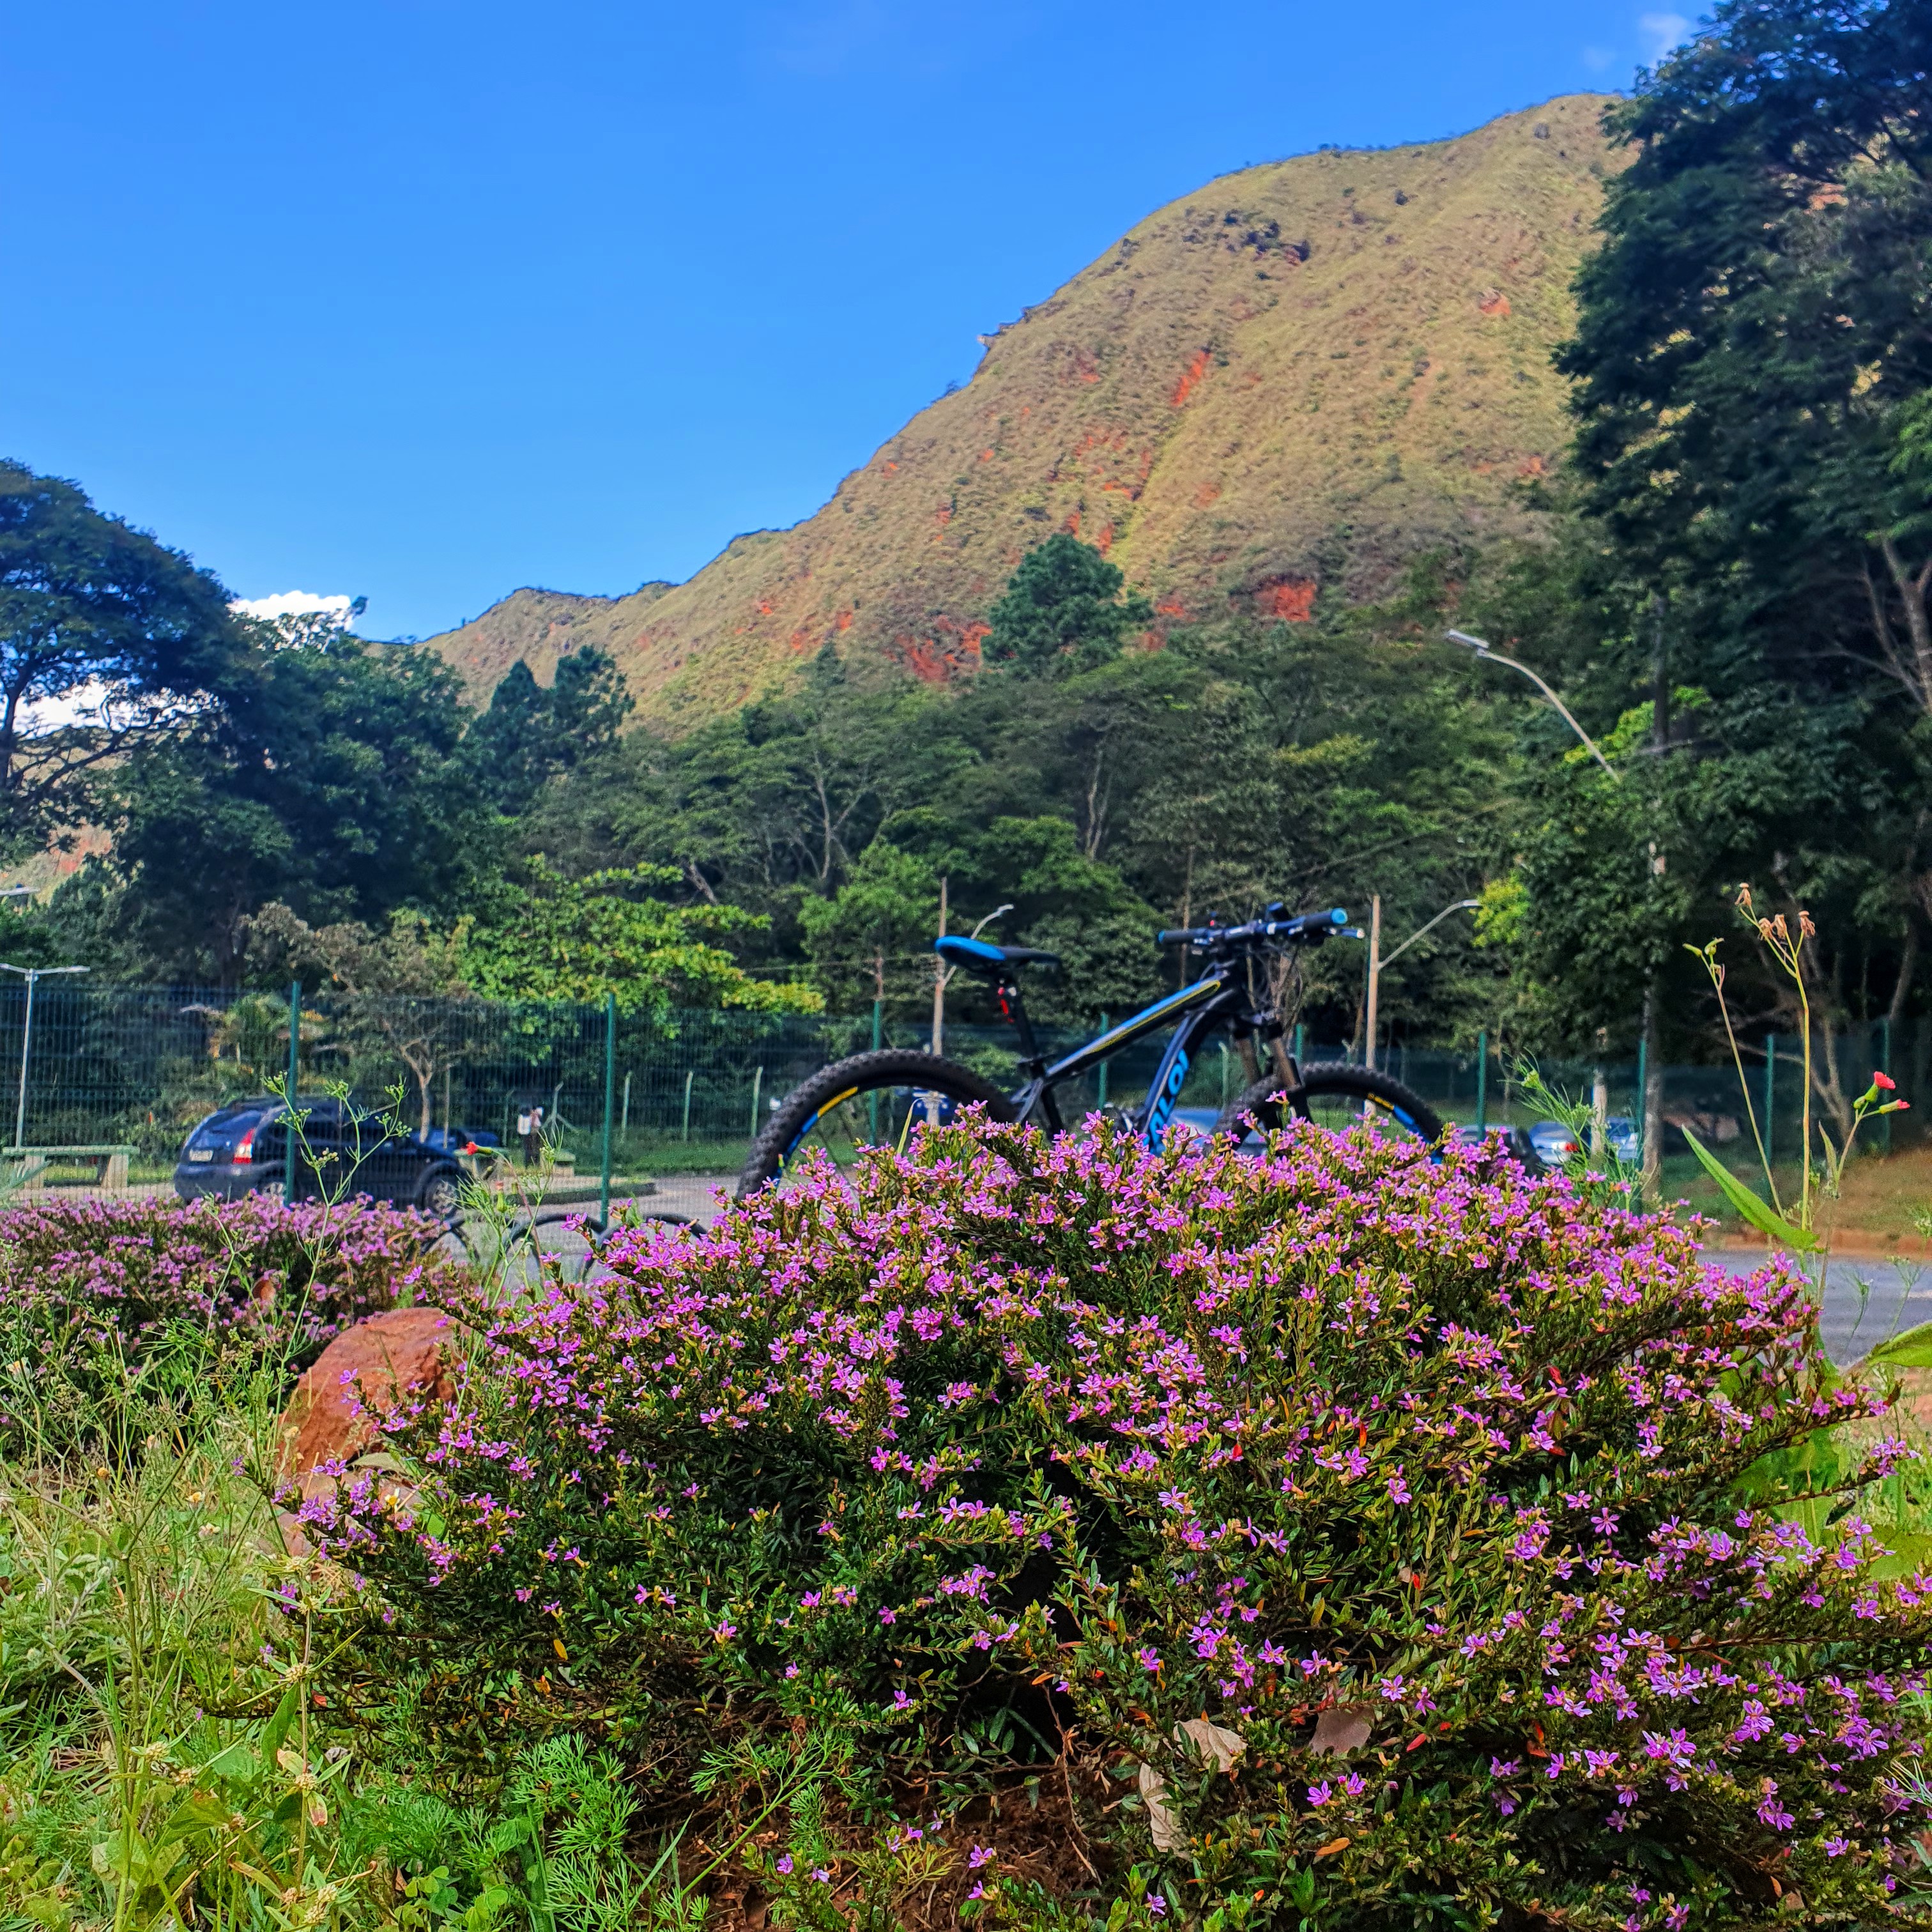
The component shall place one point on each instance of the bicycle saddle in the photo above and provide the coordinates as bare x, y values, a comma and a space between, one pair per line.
976, 956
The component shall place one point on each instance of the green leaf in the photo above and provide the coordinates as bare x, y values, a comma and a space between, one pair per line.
278, 1725
237, 1761
1911, 1552
1762, 1217
1912, 1349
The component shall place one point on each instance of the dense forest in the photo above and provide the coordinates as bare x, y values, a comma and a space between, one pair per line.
1729, 588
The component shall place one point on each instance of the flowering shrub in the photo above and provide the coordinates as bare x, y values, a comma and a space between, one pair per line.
75, 1275
1422, 1484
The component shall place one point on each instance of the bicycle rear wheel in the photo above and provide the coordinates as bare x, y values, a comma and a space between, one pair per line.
1337, 1097
870, 1100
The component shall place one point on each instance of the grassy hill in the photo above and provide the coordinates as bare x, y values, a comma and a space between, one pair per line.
1318, 366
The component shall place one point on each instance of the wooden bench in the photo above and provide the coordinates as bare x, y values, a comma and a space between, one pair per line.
30, 1164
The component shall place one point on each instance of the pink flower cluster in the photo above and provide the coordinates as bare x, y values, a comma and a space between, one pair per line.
1507, 1476
130, 1268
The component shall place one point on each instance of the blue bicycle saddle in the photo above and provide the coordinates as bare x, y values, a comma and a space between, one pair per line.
975, 955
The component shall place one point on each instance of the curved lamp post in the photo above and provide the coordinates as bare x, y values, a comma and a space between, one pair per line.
1377, 962
1489, 653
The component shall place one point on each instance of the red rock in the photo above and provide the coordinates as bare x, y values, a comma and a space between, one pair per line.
362, 1375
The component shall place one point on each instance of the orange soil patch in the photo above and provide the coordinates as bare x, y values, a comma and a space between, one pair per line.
1191, 378
1291, 599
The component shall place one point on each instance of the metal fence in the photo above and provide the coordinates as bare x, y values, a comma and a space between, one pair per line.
685, 1091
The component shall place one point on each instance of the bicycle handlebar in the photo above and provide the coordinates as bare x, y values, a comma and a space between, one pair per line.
1307, 926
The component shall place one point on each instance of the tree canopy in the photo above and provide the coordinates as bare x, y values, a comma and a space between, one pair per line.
108, 639
1063, 611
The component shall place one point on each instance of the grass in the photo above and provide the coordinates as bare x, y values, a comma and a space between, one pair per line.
165, 1757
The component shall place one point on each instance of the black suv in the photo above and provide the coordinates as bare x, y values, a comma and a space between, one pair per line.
341, 1151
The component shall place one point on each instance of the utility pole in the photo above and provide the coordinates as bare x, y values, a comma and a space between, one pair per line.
1375, 980
1651, 1099
939, 980
938, 1006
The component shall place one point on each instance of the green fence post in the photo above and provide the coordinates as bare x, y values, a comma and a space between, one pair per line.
1102, 1075
1301, 1043
295, 1037
1642, 1073
1770, 1097
609, 1101
1885, 1067
1482, 1081
757, 1087
688, 1071
872, 1099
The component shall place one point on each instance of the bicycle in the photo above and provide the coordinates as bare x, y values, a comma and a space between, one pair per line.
874, 1099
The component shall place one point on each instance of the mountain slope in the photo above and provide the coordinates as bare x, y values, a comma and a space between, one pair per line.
1314, 368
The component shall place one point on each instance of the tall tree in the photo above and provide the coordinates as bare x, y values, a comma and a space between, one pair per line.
545, 937
409, 997
108, 640
1754, 343
1753, 358
329, 776
1063, 611
867, 938
529, 734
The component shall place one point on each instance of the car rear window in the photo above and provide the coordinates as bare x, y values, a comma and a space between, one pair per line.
224, 1129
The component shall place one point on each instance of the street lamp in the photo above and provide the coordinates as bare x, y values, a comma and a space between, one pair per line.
1377, 962
1491, 655
32, 975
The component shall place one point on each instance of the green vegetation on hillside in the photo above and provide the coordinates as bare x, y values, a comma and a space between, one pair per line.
1304, 375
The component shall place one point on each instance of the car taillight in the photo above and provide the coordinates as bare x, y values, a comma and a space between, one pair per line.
245, 1150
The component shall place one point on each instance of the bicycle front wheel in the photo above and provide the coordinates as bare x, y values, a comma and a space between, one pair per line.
1337, 1097
870, 1100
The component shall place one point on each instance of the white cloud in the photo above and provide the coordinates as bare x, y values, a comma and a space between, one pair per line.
98, 706
293, 604
1662, 31
1596, 59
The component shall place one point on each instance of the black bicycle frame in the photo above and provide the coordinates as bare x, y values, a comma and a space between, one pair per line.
1219, 997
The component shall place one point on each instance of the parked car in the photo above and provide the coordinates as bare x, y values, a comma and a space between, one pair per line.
223, 1158
1516, 1143
342, 1151
1553, 1142
1625, 1138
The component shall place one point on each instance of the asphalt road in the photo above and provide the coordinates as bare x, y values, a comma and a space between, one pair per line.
1867, 1300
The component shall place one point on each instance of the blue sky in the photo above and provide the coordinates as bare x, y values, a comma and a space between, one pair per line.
424, 300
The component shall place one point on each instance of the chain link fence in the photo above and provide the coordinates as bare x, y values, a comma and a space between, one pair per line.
137, 1067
